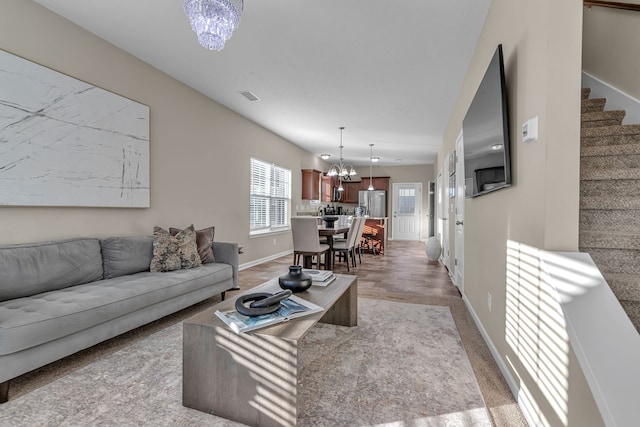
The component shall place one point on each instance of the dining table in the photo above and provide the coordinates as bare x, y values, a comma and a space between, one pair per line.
329, 232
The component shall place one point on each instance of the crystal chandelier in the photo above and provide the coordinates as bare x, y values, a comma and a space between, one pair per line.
213, 20
341, 170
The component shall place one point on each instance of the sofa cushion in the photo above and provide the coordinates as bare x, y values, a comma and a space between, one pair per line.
34, 268
126, 255
204, 242
174, 252
28, 322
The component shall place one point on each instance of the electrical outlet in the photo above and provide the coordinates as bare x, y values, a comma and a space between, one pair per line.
274, 242
489, 300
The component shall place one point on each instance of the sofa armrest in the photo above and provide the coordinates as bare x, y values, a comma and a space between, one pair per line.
227, 253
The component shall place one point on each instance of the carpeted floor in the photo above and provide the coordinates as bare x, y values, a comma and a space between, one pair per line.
404, 364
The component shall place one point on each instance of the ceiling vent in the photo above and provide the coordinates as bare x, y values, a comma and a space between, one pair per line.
250, 95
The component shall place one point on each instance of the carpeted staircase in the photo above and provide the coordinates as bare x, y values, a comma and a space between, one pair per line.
610, 199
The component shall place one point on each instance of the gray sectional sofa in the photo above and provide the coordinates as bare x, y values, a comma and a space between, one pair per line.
57, 298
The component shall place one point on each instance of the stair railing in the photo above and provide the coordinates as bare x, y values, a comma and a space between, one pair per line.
612, 4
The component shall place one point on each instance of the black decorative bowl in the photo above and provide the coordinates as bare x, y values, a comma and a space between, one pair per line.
295, 280
330, 220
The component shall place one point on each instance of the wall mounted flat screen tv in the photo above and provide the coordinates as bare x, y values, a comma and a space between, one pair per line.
485, 130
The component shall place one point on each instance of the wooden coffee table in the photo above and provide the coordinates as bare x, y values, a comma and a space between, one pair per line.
252, 377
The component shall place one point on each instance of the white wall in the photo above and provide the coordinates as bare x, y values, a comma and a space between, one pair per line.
199, 150
542, 55
610, 52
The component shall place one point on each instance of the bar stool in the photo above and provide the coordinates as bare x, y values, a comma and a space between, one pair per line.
367, 238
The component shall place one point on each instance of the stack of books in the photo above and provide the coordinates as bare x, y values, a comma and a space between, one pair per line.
291, 307
320, 277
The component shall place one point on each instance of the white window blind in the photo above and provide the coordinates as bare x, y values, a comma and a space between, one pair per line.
270, 195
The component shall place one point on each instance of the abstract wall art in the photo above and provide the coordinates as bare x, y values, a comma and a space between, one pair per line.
64, 142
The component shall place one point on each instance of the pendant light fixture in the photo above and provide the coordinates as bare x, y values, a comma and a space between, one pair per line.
370, 168
341, 170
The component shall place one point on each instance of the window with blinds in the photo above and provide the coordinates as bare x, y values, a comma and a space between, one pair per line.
270, 195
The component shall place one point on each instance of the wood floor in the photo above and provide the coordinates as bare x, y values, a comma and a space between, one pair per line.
403, 271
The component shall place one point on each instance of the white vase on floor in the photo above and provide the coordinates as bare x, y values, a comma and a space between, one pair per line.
433, 248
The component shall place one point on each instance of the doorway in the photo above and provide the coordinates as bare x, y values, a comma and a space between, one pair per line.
445, 211
439, 209
407, 208
458, 278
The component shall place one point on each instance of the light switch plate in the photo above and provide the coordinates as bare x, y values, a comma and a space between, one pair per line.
530, 130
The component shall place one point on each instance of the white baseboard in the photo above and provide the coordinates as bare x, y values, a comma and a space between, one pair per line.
526, 407
263, 260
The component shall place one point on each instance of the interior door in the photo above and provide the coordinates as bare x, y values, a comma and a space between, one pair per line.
459, 215
445, 214
407, 211
438, 210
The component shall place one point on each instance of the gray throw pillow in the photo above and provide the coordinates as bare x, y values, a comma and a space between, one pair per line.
204, 241
126, 255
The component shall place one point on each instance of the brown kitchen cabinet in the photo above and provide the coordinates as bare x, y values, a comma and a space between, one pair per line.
311, 179
351, 190
329, 189
329, 192
379, 183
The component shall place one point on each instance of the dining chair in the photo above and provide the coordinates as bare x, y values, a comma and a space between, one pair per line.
306, 240
356, 240
363, 221
347, 247
340, 238
323, 240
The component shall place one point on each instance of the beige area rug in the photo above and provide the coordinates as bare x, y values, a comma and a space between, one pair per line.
403, 365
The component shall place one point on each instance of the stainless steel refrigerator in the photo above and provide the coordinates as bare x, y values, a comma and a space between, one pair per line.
374, 202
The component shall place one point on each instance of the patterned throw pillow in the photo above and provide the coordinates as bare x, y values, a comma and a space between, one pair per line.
174, 252
204, 241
